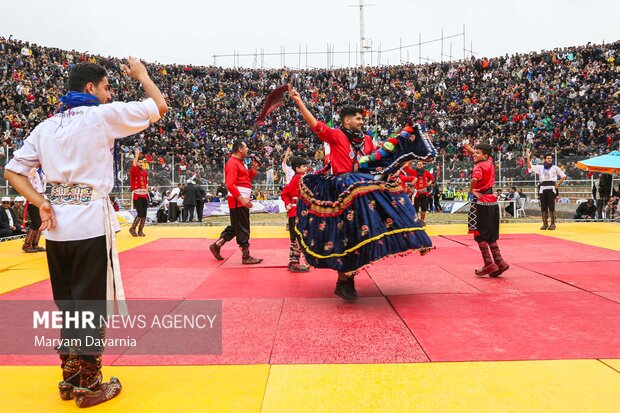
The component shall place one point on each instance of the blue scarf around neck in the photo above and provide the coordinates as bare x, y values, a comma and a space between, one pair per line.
73, 99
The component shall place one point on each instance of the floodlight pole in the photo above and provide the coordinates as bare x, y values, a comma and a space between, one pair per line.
362, 34
363, 46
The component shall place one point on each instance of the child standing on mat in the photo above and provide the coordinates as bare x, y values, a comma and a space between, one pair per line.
483, 220
290, 195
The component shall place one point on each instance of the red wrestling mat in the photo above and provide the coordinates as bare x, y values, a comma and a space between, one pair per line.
137, 259
175, 244
522, 248
164, 283
391, 280
515, 280
444, 242
272, 258
537, 310
530, 326
276, 283
613, 295
468, 240
248, 329
37, 291
589, 276
331, 330
456, 253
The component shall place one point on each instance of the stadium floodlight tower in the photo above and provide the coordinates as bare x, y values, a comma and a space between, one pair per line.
365, 44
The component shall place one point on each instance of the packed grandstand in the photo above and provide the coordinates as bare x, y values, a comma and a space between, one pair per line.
564, 101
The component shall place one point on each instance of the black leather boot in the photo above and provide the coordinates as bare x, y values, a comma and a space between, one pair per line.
246, 258
216, 247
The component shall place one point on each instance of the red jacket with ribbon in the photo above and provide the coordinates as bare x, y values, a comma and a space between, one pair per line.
236, 175
290, 194
139, 180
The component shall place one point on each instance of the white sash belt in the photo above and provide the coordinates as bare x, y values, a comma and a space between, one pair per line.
114, 288
245, 192
63, 194
140, 191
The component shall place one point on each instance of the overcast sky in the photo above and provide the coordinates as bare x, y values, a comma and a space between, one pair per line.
191, 31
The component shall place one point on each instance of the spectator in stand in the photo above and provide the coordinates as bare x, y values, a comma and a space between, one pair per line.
18, 207
565, 99
190, 199
604, 194
180, 200
612, 206
449, 192
288, 172
586, 210
182, 171
221, 191
515, 198
114, 202
270, 177
200, 202
155, 196
8, 220
436, 197
173, 209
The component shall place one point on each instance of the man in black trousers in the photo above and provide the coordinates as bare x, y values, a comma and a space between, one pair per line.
200, 202
239, 186
190, 196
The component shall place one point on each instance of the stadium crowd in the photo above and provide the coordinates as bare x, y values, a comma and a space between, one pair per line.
565, 100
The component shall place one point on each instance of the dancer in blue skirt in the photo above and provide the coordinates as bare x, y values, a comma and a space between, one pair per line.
355, 213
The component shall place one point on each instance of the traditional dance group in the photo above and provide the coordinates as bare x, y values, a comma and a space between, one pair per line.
352, 213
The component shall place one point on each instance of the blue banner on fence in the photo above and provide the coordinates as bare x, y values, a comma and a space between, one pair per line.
210, 209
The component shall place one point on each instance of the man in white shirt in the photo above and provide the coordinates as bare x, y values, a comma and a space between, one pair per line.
269, 176
551, 177
74, 147
156, 196
173, 201
288, 171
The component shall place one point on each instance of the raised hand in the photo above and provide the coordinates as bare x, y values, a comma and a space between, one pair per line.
136, 69
294, 94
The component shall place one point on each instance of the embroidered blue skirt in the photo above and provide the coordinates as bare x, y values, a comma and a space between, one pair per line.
345, 222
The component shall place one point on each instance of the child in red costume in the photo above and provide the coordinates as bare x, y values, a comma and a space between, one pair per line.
290, 195
483, 220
